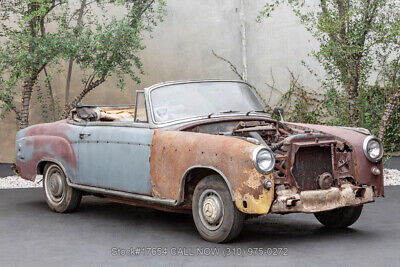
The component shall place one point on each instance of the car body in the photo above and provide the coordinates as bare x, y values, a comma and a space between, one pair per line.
206, 147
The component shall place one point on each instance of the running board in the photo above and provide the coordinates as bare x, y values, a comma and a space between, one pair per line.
161, 201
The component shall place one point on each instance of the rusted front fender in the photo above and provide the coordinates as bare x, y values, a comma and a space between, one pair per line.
174, 153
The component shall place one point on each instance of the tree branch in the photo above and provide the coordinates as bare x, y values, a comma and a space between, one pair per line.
53, 104
11, 106
90, 86
71, 60
233, 68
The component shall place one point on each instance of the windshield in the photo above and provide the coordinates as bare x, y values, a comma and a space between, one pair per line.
180, 101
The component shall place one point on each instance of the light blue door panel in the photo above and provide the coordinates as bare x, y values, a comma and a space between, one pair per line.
116, 158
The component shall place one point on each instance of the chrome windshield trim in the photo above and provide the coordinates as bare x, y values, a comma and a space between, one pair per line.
148, 91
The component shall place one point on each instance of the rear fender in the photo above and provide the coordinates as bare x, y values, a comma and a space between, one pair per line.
33, 151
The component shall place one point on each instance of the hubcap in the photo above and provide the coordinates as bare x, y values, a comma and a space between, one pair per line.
54, 185
211, 209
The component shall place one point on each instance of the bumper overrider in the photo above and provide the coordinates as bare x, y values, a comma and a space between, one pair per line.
311, 201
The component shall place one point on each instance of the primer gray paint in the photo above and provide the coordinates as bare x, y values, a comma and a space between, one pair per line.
115, 158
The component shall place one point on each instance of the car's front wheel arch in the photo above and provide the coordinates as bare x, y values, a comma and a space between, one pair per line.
193, 176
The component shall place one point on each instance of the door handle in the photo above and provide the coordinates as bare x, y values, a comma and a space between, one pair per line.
82, 135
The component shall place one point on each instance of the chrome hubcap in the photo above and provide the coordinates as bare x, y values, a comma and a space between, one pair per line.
56, 184
211, 209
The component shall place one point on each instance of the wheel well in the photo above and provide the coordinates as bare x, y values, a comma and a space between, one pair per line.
40, 167
193, 177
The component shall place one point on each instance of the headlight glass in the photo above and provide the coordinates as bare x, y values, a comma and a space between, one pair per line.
373, 149
264, 159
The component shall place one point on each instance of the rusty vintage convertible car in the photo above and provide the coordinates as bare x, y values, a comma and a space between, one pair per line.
207, 147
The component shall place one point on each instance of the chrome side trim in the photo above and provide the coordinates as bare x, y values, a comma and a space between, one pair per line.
167, 202
148, 199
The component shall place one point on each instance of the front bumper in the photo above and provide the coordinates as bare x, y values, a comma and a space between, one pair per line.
289, 200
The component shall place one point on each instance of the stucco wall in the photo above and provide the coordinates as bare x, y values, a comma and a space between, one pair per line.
180, 49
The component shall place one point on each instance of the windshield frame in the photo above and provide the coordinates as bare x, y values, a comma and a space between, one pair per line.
192, 118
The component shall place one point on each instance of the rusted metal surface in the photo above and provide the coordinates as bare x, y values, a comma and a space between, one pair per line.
310, 162
304, 154
173, 152
351, 161
310, 201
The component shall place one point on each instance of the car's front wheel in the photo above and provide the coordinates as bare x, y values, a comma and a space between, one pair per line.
216, 217
339, 218
59, 196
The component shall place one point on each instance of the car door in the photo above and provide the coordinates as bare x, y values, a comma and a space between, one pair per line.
116, 155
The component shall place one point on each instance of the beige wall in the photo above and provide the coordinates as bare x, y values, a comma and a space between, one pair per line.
180, 49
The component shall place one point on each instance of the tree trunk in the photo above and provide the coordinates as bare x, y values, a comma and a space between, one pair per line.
352, 107
79, 98
51, 94
26, 99
71, 60
352, 90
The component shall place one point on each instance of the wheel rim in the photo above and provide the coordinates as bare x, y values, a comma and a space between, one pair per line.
54, 185
211, 209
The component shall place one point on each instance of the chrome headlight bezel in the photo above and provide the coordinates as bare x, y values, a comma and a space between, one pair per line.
256, 154
365, 148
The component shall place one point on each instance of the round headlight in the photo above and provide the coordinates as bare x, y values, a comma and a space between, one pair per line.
264, 159
373, 149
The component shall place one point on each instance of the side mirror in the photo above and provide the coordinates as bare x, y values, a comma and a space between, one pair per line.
279, 112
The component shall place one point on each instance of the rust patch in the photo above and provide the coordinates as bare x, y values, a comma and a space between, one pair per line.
360, 166
174, 152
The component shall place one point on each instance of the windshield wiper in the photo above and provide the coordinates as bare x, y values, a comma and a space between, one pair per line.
257, 111
222, 112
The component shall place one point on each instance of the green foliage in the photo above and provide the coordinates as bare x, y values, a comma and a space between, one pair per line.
37, 34
302, 104
358, 39
392, 133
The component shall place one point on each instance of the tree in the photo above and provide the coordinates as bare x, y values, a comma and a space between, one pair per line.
39, 34
357, 38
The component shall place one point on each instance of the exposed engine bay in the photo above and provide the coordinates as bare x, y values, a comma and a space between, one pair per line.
306, 161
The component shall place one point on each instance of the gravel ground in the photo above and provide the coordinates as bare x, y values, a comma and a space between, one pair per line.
392, 177
17, 182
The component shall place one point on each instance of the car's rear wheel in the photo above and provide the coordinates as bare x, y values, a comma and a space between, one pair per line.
339, 218
216, 217
59, 196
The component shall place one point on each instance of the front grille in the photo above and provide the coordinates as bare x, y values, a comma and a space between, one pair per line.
310, 162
